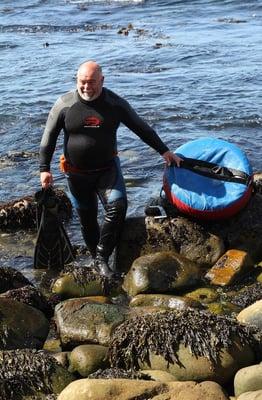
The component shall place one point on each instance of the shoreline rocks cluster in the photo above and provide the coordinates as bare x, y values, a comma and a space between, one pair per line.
184, 321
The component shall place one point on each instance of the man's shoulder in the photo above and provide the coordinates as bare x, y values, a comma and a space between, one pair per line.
68, 98
113, 98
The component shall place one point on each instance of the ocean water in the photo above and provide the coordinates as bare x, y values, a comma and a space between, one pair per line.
190, 68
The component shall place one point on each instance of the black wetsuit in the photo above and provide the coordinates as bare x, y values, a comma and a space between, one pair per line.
90, 129
90, 145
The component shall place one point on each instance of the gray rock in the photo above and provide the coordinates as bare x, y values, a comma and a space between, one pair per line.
79, 321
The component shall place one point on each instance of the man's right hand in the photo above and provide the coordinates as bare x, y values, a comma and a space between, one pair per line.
46, 179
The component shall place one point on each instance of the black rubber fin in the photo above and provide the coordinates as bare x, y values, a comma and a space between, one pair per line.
53, 249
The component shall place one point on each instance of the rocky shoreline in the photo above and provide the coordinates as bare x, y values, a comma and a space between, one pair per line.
184, 321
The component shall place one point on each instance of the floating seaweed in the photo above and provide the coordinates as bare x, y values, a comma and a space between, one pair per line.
204, 334
118, 373
23, 372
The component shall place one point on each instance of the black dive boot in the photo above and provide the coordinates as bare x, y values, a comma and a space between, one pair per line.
102, 267
110, 232
90, 241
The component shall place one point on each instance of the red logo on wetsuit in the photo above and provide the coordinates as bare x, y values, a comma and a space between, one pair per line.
92, 121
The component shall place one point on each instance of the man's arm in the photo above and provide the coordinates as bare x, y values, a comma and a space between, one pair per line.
136, 124
53, 127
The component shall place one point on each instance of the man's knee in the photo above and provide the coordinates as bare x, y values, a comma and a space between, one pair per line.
116, 210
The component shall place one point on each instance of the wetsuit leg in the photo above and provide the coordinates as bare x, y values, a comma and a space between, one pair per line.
112, 193
84, 199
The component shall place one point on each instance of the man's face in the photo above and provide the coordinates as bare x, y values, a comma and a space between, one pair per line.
89, 83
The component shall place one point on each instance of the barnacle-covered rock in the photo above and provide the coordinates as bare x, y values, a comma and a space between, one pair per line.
190, 344
118, 373
21, 326
246, 296
30, 373
160, 273
22, 213
10, 278
81, 282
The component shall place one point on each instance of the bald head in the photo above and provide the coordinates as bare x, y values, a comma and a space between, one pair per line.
89, 80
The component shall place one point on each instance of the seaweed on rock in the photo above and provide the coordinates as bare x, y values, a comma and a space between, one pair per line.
31, 296
22, 213
23, 372
83, 275
10, 278
247, 295
118, 373
161, 333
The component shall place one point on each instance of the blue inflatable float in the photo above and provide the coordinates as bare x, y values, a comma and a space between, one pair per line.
213, 182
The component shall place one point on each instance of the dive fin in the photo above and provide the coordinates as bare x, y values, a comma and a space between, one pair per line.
53, 248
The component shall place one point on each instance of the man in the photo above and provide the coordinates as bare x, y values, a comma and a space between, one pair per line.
90, 117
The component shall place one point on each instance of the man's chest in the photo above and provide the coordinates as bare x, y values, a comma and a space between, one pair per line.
81, 118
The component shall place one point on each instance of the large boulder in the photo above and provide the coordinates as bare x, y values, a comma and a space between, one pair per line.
190, 344
124, 389
160, 273
21, 326
149, 235
80, 321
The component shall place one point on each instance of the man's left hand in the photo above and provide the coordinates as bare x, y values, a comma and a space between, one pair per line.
170, 158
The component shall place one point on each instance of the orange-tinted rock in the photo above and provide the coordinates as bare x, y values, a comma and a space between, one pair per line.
229, 267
